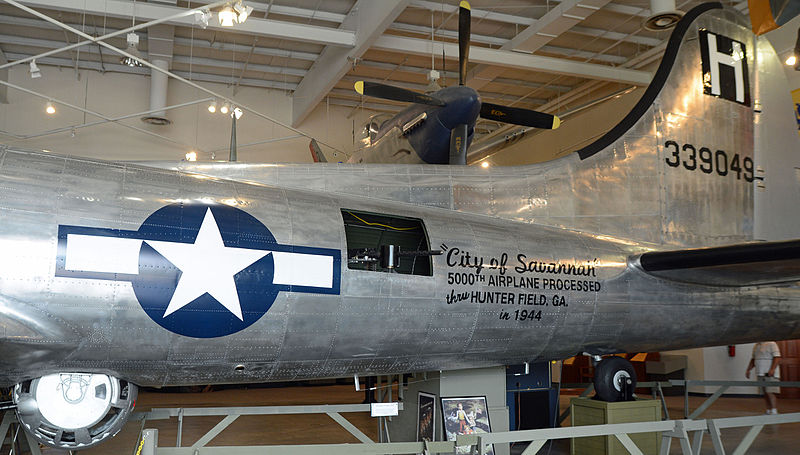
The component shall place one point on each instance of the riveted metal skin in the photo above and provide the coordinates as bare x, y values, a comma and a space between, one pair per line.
558, 237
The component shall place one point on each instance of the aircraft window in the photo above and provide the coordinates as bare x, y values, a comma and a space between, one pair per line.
387, 243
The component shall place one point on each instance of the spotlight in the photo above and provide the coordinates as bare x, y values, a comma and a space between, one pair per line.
243, 11
50, 109
225, 108
791, 60
35, 71
237, 113
212, 107
796, 53
202, 17
227, 16
133, 49
485, 164
191, 156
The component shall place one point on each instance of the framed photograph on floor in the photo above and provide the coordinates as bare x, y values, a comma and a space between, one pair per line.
426, 416
465, 415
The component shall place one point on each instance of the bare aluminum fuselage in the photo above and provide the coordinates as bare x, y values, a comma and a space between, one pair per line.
557, 237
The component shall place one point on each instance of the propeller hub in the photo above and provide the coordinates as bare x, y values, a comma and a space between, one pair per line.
462, 106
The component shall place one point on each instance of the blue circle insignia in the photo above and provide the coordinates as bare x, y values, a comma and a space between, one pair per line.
205, 316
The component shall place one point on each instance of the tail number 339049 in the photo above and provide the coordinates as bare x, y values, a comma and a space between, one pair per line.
692, 158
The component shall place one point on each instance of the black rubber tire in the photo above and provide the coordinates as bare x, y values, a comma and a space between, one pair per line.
604, 374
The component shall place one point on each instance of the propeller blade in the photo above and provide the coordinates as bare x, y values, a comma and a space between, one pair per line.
458, 144
517, 116
464, 17
389, 92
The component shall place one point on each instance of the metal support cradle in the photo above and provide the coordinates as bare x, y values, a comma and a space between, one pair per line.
688, 432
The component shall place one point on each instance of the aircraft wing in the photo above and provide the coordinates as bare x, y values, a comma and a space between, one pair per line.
746, 264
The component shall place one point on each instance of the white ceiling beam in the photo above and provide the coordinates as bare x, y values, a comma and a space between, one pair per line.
368, 20
453, 75
292, 11
616, 36
153, 11
438, 7
194, 76
222, 65
521, 20
627, 10
496, 41
518, 60
555, 22
201, 61
185, 42
120, 68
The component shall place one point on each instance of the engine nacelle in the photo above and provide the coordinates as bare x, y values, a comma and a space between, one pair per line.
74, 410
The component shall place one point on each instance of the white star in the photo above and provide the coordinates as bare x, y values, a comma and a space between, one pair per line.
207, 266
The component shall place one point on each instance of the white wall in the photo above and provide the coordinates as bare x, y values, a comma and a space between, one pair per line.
714, 364
192, 128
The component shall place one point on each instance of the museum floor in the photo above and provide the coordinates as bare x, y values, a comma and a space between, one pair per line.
318, 429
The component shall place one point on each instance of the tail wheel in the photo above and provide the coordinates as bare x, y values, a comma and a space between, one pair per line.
610, 376
74, 410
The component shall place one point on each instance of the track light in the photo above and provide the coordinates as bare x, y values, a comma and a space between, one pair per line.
133, 49
243, 11
234, 15
202, 17
50, 108
35, 71
226, 16
212, 107
225, 108
237, 113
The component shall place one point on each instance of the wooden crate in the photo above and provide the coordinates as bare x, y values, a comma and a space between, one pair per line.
586, 411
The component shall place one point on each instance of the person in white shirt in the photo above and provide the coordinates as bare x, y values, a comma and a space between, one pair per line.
766, 357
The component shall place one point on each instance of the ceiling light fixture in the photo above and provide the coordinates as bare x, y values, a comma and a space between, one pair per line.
212, 107
35, 71
191, 156
50, 108
226, 16
133, 49
791, 60
243, 11
796, 53
485, 164
225, 108
202, 17
237, 112
663, 15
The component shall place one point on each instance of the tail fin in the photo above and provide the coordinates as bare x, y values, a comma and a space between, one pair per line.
703, 151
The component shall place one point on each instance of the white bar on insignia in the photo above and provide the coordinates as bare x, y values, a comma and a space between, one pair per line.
93, 253
296, 269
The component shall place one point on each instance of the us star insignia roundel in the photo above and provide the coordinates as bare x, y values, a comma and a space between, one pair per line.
199, 270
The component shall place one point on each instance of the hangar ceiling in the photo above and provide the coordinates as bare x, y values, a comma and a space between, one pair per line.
546, 55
